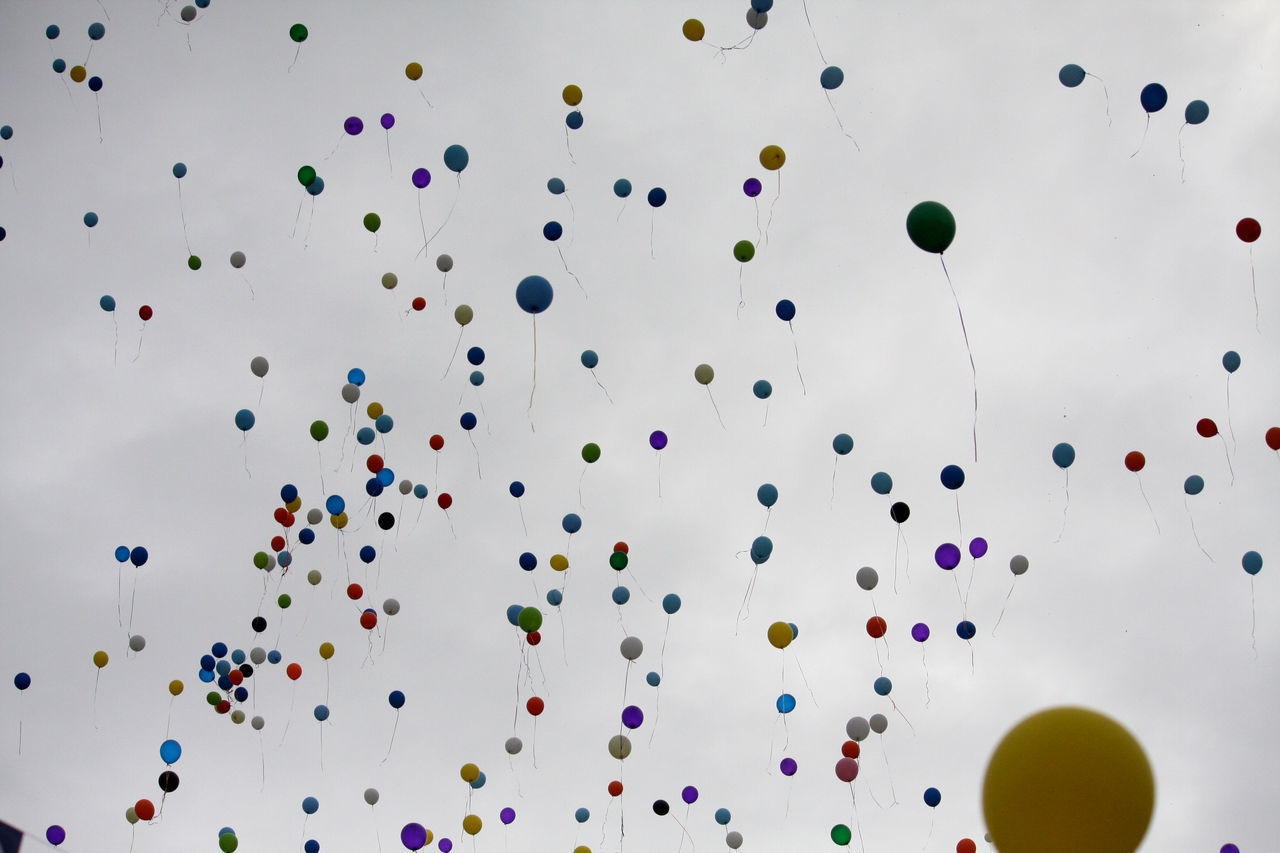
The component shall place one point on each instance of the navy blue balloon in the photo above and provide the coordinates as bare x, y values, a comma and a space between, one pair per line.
571, 523
1071, 76
242, 693
368, 554
312, 846
138, 556
552, 230
306, 536
224, 680
219, 649
516, 488
207, 663
657, 197
952, 477
966, 630
932, 796
786, 310
311, 805
475, 356
467, 421
22, 681
396, 698
1153, 97
288, 493
534, 294
528, 561
573, 120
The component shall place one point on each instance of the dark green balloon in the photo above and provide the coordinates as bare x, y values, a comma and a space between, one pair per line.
931, 226
744, 250
306, 175
372, 222
590, 452
841, 834
319, 430
194, 262
298, 33
618, 560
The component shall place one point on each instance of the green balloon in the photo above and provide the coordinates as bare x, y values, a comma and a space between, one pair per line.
319, 430
213, 697
931, 226
744, 250
194, 262
618, 560
841, 834
372, 222
530, 619
227, 842
298, 33
590, 452
284, 600
261, 560
306, 175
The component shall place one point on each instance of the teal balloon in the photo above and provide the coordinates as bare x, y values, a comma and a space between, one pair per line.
881, 483
1231, 361
1196, 112
622, 188
767, 494
882, 686
245, 420
832, 77
555, 186
1252, 562
1193, 485
842, 443
1063, 455
456, 158
91, 219
762, 389
1071, 76
590, 359
107, 303
179, 170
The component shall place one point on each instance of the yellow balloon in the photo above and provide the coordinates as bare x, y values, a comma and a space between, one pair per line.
619, 746
704, 374
430, 836
1068, 779
326, 650
572, 95
175, 687
582, 848
559, 562
693, 29
338, 521
78, 74
780, 635
390, 280
413, 71
471, 824
772, 157
463, 314
294, 505
100, 659
469, 772
375, 411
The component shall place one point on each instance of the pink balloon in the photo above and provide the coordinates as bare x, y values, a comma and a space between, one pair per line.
846, 769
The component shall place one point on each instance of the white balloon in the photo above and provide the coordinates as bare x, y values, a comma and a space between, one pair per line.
857, 728
406, 487
315, 515
257, 654
371, 796
631, 648
514, 745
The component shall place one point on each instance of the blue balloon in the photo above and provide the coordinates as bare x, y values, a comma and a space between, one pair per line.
513, 614
621, 595
91, 219
316, 186
420, 491
571, 523
288, 493
516, 488
311, 805
952, 477
97, 30
554, 597
786, 310
555, 186
207, 663
219, 650
206, 676
767, 494
355, 376
22, 681
476, 379
468, 420
534, 294
322, 712
479, 781
385, 477
242, 693
95, 83
657, 197
1194, 485
334, 504
52, 31
368, 554
966, 630
881, 483
179, 170
832, 77
456, 158
1252, 562
882, 686
573, 120
761, 548
582, 815
762, 6
59, 65
306, 536
1063, 455
475, 356
245, 420
552, 230
224, 680
285, 559
528, 561
202, 4
932, 796
842, 443
396, 698
237, 657
138, 556
786, 703
1231, 361
670, 603
122, 553
590, 359
1153, 97
722, 815
312, 846
1196, 112
762, 389
622, 188
383, 423
653, 679
365, 435
274, 656
1071, 76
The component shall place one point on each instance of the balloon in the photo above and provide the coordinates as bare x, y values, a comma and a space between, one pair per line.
456, 158
744, 250
245, 420
413, 71
722, 816
631, 648
932, 796
22, 681
1153, 97
947, 556
1071, 775
693, 30
1248, 229
841, 834
77, 73
1193, 485
847, 769
259, 366
752, 187
170, 751
413, 836
1063, 455
882, 686
590, 452
1206, 428
326, 650
881, 483
572, 95
952, 477
90, 219
168, 781
144, 809
831, 78
372, 222
107, 303
632, 717
179, 170
876, 627
1231, 361
1273, 438
780, 635
786, 310
100, 659
1071, 76
786, 703
661, 807
919, 632
321, 713
1251, 562
761, 549
842, 444
571, 523
319, 430
396, 699
867, 578
582, 815
966, 845
52, 31
788, 766
689, 794
237, 259
653, 679
619, 746
534, 294
704, 373
316, 186
772, 157
1196, 112
420, 178
552, 231
507, 815
931, 226
530, 619
1134, 460
767, 494
298, 33
227, 842
513, 745
622, 188
762, 389
194, 262
573, 120
387, 121
977, 547
97, 30
670, 604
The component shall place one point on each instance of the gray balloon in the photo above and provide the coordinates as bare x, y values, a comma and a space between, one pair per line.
867, 578
259, 366
631, 648
444, 263
406, 487
137, 642
188, 14
857, 728
879, 722
371, 796
391, 607
315, 515
257, 654
237, 259
257, 723
733, 839
757, 20
1019, 565
350, 392
514, 745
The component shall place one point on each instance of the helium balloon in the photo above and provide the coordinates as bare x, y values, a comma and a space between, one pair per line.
931, 226
788, 766
919, 632
97, 30
841, 834
622, 188
881, 483
1068, 778
259, 366
413, 836
1206, 428
867, 578
657, 197
1135, 461
534, 294
22, 681
952, 477
772, 157
752, 187
90, 219
372, 222
619, 746
1251, 562
572, 95
456, 158
1153, 97
780, 635
932, 796
704, 373
245, 420
767, 494
831, 78
661, 807
413, 71
882, 685
298, 32
107, 303
1248, 229
420, 178
1193, 485
744, 250
786, 310
631, 648
573, 120
693, 30
847, 769
1231, 361
1063, 455
762, 389
842, 444
1071, 76
1196, 112
670, 603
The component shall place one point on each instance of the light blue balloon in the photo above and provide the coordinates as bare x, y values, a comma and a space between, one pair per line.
842, 443
1194, 485
456, 158
555, 597
881, 483
97, 30
670, 603
590, 359
365, 435
571, 523
311, 805
621, 595
1252, 562
334, 504
723, 817
1231, 361
555, 186
420, 491
322, 712
653, 679
622, 188
882, 686
786, 703
762, 389
513, 614
383, 424
832, 77
170, 751
122, 554
107, 303
245, 420
479, 781
767, 494
582, 815
1063, 455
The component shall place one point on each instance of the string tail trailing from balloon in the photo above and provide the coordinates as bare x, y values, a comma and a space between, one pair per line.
972, 369
572, 273
1144, 137
1143, 492
185, 237
457, 344
772, 204
1004, 607
1066, 490
457, 191
395, 726
534, 386
1106, 95
1191, 519
602, 388
717, 408
840, 122
1182, 159
1253, 277
1230, 468
795, 346
805, 6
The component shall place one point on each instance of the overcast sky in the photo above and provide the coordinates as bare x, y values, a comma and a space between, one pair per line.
1100, 289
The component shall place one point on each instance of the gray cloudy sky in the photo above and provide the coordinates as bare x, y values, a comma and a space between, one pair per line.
1100, 291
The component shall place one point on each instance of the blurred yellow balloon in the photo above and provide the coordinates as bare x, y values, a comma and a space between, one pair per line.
375, 411
693, 29
471, 824
780, 635
469, 773
1065, 780
175, 687
294, 505
772, 157
463, 314
100, 659
704, 373
326, 650
78, 73
559, 562
338, 521
413, 71
572, 95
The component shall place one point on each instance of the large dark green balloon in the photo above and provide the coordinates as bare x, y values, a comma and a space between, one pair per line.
931, 226
841, 834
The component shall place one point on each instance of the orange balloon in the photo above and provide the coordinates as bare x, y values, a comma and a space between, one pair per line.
1135, 461
294, 671
144, 809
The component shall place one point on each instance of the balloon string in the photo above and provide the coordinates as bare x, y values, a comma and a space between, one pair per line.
659, 455
1193, 530
424, 97
806, 685
311, 217
1253, 276
115, 347
297, 218
1227, 453
925, 666
618, 218
1006, 605
1143, 492
1066, 490
717, 408
805, 6
1144, 137
973, 570
602, 388
972, 369
450, 364
768, 223
1253, 619
741, 301
580, 476
651, 218
572, 273
390, 169
1182, 159
567, 146
534, 386
1230, 428
423, 224
1105, 95
186, 238
759, 231
456, 192
746, 599
138, 354
795, 346
393, 736
839, 121
295, 58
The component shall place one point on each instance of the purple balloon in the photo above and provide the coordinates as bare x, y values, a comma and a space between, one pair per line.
689, 794
919, 632
657, 439
413, 836
55, 835
752, 187
632, 717
977, 547
445, 845
387, 121
788, 766
353, 126
421, 177
507, 815
947, 556
1230, 848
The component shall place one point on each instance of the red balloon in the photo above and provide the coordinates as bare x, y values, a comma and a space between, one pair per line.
145, 313
846, 769
236, 677
445, 500
437, 442
535, 705
355, 592
1273, 438
1248, 229
278, 544
615, 788
533, 638
850, 749
368, 620
966, 845
1206, 427
144, 809
419, 303
294, 671
374, 463
620, 546
223, 707
1135, 461
876, 627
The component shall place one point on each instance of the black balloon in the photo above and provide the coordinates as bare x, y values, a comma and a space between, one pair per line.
168, 781
259, 624
660, 807
386, 521
899, 512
